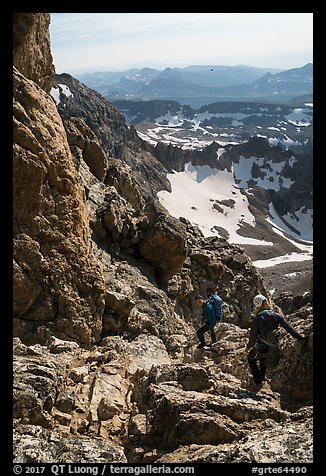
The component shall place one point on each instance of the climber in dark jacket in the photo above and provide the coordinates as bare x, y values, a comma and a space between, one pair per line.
265, 320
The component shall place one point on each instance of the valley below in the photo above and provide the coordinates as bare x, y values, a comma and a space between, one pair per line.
285, 262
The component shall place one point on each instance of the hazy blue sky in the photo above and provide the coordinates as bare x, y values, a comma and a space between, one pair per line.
119, 41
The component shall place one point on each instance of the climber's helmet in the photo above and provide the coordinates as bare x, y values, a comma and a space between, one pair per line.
258, 300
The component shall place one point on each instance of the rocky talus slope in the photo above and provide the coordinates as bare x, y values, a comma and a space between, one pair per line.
105, 362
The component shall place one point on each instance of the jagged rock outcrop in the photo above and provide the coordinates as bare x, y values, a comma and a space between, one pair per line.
164, 244
174, 158
39, 445
141, 403
297, 382
291, 303
288, 442
118, 141
82, 138
296, 169
56, 279
31, 48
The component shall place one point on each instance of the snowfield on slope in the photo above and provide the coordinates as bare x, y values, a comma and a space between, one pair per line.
209, 198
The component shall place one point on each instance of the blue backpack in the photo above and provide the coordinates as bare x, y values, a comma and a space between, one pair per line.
216, 300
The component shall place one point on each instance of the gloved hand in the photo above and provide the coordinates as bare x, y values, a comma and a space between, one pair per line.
304, 342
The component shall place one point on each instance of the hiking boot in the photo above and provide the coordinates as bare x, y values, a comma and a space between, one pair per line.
200, 346
254, 387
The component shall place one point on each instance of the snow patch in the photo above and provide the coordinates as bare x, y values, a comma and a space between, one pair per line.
209, 198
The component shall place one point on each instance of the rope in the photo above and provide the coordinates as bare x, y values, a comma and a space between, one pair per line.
273, 338
274, 353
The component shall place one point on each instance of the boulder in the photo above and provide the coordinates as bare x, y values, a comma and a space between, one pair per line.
164, 244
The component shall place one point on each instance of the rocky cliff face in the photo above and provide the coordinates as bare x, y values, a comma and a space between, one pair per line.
118, 141
105, 360
57, 280
293, 167
31, 48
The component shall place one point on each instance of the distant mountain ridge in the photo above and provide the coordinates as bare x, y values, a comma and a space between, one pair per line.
287, 124
206, 75
197, 85
296, 81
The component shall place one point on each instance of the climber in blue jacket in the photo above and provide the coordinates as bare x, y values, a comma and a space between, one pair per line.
208, 321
